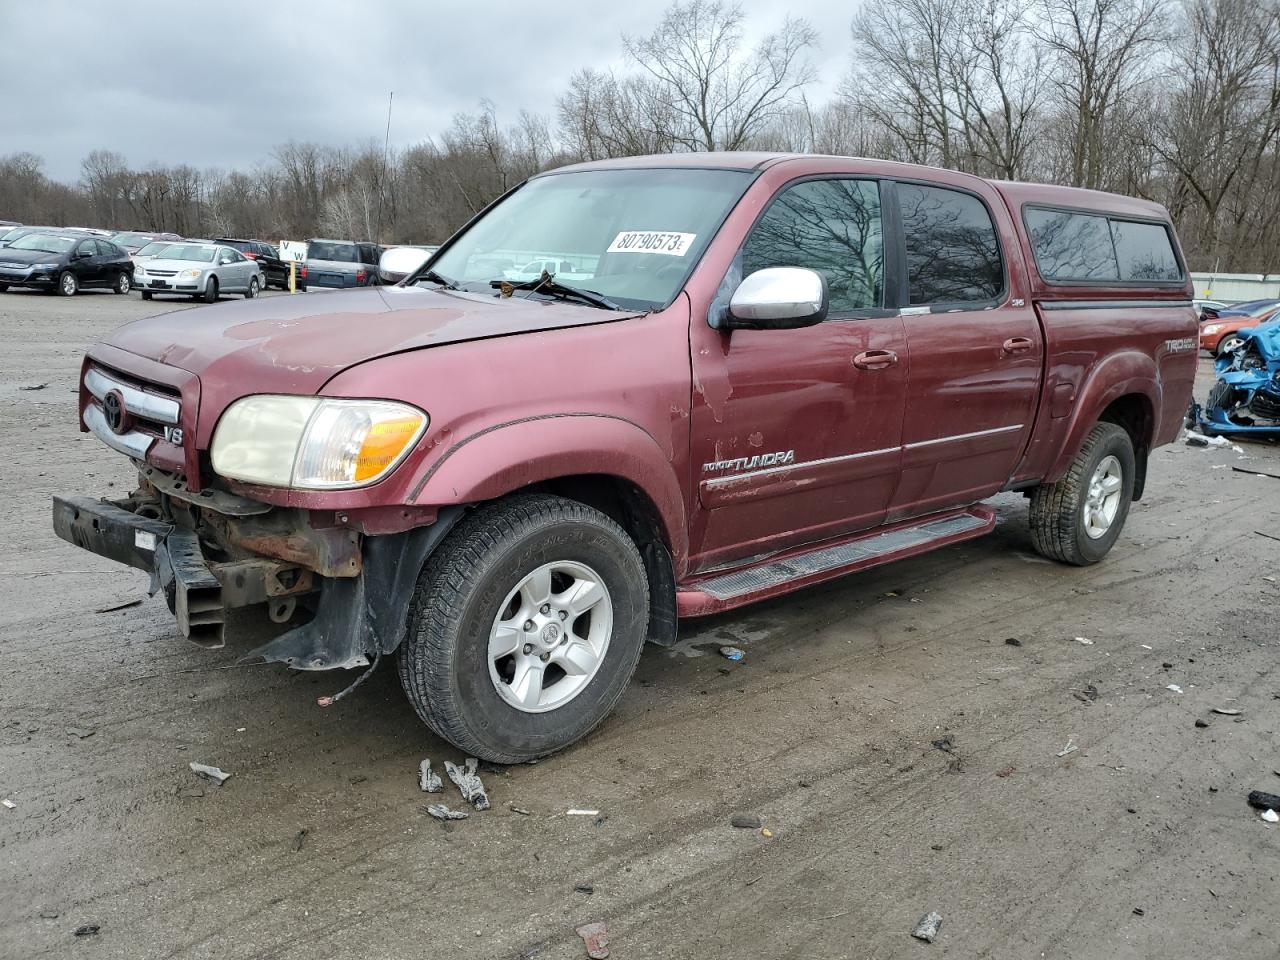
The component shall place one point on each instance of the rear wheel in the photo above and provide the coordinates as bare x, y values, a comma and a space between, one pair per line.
68, 285
1078, 519
211, 290
124, 283
526, 626
3, 287
253, 289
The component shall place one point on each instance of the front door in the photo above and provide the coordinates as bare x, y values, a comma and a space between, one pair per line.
87, 262
976, 350
796, 433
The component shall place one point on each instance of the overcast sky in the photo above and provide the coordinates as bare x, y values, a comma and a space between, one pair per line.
219, 84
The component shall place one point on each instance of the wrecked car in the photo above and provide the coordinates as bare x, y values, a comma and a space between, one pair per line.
1245, 400
765, 372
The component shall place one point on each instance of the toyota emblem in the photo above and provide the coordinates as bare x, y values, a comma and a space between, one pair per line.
113, 410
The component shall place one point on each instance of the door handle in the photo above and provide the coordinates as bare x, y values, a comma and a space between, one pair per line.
1018, 345
875, 359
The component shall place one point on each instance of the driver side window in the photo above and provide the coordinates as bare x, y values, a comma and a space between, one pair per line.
831, 226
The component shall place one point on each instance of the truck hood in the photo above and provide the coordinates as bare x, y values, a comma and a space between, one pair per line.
295, 344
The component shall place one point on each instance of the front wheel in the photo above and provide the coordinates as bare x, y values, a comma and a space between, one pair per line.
1079, 518
526, 626
67, 284
1229, 344
211, 290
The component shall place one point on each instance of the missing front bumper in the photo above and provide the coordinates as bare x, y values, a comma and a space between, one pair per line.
199, 593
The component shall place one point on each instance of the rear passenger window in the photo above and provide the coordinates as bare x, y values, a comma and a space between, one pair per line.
952, 252
831, 226
1145, 251
1086, 246
1072, 246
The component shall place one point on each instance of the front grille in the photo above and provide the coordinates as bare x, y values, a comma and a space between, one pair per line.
148, 409
162, 273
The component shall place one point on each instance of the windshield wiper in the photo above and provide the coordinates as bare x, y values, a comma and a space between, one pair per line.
445, 282
549, 284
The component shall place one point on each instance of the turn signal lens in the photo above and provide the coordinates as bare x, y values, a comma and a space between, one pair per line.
384, 444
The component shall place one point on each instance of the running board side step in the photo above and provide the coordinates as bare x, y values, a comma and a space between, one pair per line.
801, 568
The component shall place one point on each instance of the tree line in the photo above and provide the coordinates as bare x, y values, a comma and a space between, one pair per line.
1173, 100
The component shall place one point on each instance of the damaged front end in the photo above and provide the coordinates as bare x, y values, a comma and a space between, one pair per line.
1246, 397
211, 551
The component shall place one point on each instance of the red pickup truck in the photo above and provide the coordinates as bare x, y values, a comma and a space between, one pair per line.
765, 371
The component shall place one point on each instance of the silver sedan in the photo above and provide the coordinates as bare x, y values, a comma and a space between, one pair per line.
201, 270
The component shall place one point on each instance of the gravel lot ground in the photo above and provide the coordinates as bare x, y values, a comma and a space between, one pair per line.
1138, 844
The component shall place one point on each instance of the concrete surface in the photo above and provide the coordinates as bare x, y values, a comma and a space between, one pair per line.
824, 731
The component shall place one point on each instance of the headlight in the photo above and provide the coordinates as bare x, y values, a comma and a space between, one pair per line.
44, 266
190, 274
1212, 328
314, 443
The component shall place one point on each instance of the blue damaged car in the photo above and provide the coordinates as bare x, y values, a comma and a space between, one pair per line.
1246, 397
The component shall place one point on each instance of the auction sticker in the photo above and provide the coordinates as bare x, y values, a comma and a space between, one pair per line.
652, 241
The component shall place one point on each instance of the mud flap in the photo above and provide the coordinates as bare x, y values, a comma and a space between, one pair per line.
362, 616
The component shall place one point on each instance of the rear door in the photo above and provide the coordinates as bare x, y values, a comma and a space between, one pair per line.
975, 345
795, 433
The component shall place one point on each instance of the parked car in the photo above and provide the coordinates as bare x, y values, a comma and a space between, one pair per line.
555, 267
8, 225
275, 271
8, 236
1245, 399
153, 250
133, 242
64, 264
1221, 335
784, 369
340, 263
1247, 307
201, 270
1208, 309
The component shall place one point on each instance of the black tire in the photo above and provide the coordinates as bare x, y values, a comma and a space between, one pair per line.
68, 285
4, 287
211, 290
1058, 528
146, 294
253, 289
444, 661
123, 284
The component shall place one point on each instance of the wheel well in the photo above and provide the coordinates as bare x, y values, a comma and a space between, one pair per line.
633, 510
1133, 413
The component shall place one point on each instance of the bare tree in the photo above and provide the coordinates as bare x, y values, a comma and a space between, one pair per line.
1102, 51
720, 96
1222, 120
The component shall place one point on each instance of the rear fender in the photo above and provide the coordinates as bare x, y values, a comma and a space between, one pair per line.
1117, 376
509, 457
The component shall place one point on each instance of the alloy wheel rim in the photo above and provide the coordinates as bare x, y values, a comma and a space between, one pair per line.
1102, 497
69, 283
550, 637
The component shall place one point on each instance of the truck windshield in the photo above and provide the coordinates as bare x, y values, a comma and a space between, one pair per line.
630, 235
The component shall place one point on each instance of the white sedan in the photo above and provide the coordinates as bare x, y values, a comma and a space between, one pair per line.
200, 270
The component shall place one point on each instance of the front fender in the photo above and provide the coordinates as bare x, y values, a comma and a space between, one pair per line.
510, 456
1120, 374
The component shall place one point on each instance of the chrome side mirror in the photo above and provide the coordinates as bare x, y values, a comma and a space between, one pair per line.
398, 262
779, 298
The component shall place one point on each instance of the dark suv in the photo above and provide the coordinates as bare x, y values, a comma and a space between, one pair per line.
340, 263
274, 270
